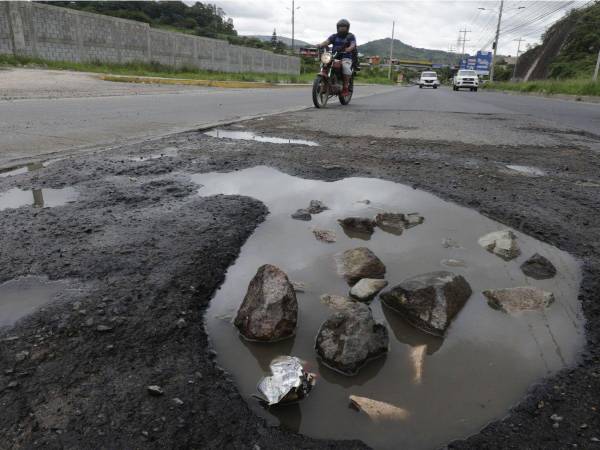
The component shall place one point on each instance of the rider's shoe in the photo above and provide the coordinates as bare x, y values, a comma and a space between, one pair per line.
345, 92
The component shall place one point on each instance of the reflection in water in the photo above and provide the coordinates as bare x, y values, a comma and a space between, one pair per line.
289, 415
249, 136
451, 387
38, 198
16, 198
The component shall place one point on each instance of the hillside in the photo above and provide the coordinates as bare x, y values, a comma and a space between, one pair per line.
569, 48
286, 40
404, 51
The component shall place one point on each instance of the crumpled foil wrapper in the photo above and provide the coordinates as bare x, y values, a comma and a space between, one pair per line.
288, 381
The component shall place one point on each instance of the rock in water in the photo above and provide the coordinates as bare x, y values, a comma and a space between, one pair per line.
501, 243
336, 301
324, 235
517, 299
316, 207
269, 311
367, 288
377, 410
357, 225
302, 214
391, 222
413, 219
349, 338
538, 267
429, 301
288, 382
359, 263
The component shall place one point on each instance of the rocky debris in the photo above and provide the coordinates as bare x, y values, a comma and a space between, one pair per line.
350, 337
413, 219
538, 267
181, 323
155, 390
357, 226
526, 298
430, 301
316, 207
178, 401
301, 214
453, 263
324, 235
104, 328
298, 286
358, 263
376, 410
13, 385
22, 355
367, 288
450, 243
501, 243
391, 222
269, 311
335, 301
288, 382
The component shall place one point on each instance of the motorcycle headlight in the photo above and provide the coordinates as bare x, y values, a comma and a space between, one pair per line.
326, 58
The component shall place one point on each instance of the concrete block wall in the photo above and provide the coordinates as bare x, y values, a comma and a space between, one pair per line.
60, 34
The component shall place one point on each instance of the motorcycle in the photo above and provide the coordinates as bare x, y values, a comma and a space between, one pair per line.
329, 82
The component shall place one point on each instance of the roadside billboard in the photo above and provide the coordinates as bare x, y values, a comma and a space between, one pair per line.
481, 62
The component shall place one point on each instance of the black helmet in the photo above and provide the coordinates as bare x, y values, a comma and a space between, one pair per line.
343, 23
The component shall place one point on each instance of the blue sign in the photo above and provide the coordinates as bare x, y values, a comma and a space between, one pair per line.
480, 62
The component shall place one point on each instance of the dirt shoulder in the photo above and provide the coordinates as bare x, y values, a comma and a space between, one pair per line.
146, 253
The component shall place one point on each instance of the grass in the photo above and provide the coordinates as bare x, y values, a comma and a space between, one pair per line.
160, 70
575, 86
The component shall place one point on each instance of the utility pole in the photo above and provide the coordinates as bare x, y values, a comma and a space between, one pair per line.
464, 39
391, 50
517, 59
293, 22
496, 40
597, 67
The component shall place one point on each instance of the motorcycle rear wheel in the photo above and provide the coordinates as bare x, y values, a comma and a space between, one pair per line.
320, 92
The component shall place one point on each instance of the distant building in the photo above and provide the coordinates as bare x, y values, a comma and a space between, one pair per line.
373, 60
309, 52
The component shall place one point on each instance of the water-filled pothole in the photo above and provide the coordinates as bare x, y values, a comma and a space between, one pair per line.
21, 297
250, 136
446, 389
31, 167
39, 198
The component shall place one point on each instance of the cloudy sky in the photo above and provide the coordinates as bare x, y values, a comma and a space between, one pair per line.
428, 24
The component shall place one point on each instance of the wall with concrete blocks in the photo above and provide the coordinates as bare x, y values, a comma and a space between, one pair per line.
60, 34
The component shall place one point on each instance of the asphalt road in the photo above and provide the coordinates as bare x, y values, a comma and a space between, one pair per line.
103, 114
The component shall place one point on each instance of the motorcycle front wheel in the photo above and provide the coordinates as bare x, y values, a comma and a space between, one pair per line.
344, 100
320, 92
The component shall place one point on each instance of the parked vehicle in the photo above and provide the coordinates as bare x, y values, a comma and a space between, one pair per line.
329, 82
429, 79
465, 79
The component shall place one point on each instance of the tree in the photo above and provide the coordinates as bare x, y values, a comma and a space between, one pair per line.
274, 39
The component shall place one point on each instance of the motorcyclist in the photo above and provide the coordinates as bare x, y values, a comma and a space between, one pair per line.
345, 42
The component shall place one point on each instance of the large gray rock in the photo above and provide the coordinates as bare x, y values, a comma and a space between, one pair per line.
316, 207
367, 288
350, 337
526, 298
501, 243
269, 311
359, 263
358, 226
429, 301
391, 222
301, 214
538, 267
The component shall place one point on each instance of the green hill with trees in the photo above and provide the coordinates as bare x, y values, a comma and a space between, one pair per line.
381, 47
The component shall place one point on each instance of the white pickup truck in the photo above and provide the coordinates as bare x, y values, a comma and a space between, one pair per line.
465, 79
429, 79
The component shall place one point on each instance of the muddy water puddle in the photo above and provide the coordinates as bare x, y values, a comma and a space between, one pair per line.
38, 198
250, 136
21, 297
446, 388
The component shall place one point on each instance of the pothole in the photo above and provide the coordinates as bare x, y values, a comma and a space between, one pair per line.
38, 198
250, 136
21, 297
32, 167
436, 390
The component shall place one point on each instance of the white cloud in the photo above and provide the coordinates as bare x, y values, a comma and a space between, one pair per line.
427, 24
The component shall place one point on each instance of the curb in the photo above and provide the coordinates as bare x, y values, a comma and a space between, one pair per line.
191, 82
567, 97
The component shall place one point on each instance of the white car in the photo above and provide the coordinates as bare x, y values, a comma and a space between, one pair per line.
429, 79
465, 79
